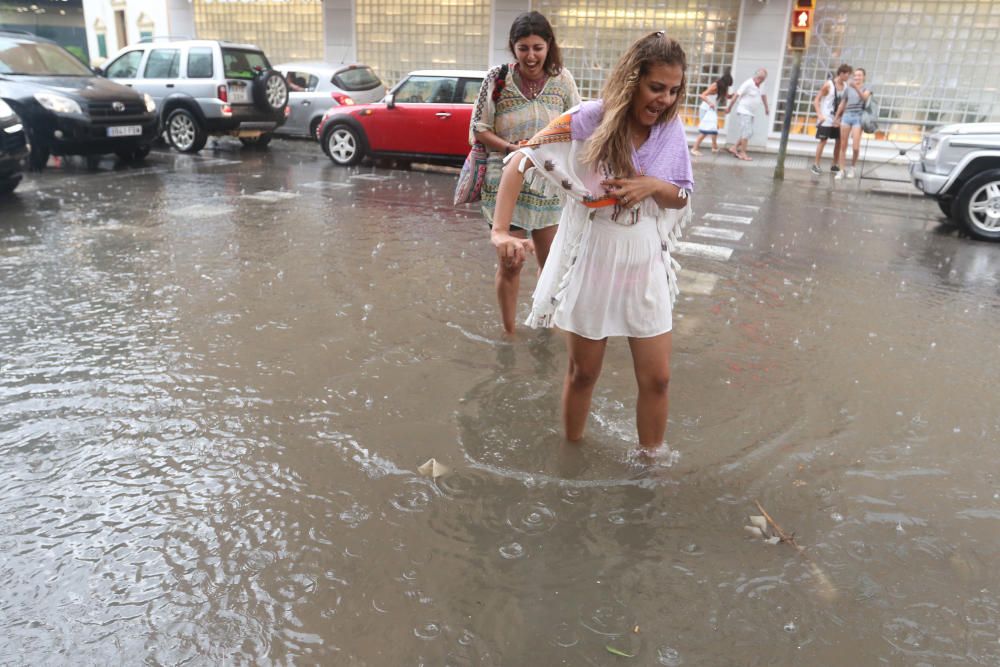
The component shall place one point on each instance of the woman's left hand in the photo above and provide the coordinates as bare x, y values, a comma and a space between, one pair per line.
631, 191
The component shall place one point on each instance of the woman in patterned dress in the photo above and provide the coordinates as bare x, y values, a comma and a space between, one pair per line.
516, 101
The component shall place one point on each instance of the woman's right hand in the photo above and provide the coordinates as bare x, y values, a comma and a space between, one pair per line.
511, 251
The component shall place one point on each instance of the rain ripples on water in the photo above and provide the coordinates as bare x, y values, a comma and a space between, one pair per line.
216, 391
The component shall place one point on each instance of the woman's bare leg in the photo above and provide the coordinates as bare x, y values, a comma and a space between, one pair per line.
585, 359
855, 145
651, 360
542, 239
508, 282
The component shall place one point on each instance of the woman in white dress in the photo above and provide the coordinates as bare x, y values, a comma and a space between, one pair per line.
622, 168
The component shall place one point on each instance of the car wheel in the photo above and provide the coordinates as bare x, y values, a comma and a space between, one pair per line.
314, 128
256, 142
945, 206
978, 206
7, 185
270, 91
344, 145
39, 155
184, 131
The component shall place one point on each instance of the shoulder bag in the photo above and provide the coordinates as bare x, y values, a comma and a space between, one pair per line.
869, 117
470, 180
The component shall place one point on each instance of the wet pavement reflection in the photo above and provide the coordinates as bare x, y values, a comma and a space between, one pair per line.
221, 372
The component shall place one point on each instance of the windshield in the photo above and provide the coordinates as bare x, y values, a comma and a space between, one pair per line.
38, 59
241, 64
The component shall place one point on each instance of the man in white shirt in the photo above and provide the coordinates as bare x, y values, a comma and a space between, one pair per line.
745, 104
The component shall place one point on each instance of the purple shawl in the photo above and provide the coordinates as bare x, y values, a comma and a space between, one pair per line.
663, 156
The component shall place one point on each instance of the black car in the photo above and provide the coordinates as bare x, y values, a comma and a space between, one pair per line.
13, 148
66, 109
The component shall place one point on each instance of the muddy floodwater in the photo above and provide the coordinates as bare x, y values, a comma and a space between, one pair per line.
220, 374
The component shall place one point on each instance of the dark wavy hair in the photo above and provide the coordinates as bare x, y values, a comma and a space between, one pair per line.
535, 23
723, 84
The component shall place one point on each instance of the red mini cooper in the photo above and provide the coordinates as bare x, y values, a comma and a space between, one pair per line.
424, 117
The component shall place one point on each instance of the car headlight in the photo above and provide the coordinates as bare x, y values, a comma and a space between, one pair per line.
57, 103
150, 104
933, 148
5, 110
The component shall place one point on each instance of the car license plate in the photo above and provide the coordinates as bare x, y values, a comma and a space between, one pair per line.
125, 131
238, 95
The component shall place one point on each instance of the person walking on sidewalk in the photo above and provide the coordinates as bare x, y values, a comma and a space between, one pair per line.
516, 101
828, 112
713, 99
745, 103
856, 95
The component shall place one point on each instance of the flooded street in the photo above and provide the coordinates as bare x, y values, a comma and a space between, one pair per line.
221, 372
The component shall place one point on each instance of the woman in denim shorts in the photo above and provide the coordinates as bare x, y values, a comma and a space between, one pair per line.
855, 97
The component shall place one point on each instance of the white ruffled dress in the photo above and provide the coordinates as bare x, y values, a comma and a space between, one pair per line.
610, 271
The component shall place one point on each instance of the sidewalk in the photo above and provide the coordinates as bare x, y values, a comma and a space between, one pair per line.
877, 177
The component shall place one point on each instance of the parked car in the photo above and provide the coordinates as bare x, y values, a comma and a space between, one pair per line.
425, 116
205, 88
13, 149
315, 87
959, 167
66, 110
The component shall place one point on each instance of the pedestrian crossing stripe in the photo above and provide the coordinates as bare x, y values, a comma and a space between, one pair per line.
271, 195
705, 251
696, 282
717, 233
740, 207
721, 217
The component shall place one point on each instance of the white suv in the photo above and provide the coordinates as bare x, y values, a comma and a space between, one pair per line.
959, 167
205, 87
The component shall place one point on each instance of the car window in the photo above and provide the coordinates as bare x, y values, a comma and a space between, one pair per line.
163, 64
356, 78
199, 65
125, 67
470, 90
242, 64
38, 58
427, 90
302, 81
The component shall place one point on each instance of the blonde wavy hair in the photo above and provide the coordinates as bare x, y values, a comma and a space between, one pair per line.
611, 143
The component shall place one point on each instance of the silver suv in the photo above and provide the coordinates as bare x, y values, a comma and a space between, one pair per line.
205, 87
959, 167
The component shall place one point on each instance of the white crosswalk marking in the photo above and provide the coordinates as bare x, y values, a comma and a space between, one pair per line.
721, 217
696, 282
702, 250
717, 233
740, 207
271, 195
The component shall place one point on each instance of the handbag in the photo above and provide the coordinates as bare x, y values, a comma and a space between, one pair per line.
470, 180
469, 188
869, 117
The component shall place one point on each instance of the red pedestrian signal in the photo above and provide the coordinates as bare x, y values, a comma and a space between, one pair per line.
798, 40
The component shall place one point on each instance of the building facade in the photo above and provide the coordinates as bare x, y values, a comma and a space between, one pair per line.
928, 61
59, 20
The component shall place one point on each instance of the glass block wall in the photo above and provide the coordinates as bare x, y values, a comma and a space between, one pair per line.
929, 62
285, 29
395, 37
593, 34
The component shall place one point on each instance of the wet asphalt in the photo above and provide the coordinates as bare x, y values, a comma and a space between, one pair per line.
221, 372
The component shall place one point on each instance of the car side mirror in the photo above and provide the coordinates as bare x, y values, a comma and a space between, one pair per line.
390, 101
98, 71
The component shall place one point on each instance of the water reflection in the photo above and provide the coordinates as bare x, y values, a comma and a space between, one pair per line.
213, 418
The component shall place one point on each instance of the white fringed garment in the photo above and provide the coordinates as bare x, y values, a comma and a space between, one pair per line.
610, 271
